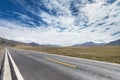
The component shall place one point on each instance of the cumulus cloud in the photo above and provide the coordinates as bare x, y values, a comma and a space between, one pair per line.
50, 35
96, 22
96, 11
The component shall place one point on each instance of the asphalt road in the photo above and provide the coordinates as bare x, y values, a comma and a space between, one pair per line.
43, 66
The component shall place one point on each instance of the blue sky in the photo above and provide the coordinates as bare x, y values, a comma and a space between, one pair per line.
61, 22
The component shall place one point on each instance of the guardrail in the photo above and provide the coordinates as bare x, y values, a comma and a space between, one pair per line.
9, 70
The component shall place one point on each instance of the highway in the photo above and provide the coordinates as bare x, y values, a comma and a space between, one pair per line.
44, 66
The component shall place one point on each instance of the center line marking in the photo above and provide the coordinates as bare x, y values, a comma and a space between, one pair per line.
59, 62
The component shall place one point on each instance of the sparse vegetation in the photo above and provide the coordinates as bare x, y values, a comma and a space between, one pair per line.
102, 53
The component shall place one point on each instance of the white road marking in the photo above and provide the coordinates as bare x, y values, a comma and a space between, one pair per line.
7, 72
17, 72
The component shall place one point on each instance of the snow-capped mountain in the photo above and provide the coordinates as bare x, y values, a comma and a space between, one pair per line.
62, 22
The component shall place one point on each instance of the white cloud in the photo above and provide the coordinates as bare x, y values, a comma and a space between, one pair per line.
50, 35
23, 16
66, 20
53, 34
96, 11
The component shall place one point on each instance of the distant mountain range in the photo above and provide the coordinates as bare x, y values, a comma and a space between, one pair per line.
7, 42
116, 42
14, 43
86, 44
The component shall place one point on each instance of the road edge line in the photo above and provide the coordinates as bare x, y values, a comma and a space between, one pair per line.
6, 72
17, 72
